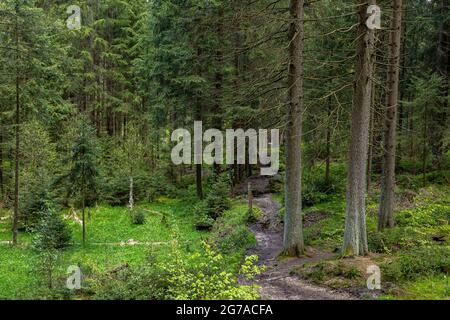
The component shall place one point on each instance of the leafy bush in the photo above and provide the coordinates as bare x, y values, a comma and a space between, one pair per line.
391, 240
138, 216
230, 233
51, 233
203, 221
420, 261
209, 280
230, 238
146, 283
325, 270
254, 215
197, 277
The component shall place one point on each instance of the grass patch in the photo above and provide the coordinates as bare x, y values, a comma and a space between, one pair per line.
427, 288
113, 240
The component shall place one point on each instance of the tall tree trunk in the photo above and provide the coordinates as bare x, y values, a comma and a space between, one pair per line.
402, 111
355, 236
198, 175
293, 229
424, 146
371, 140
387, 200
328, 157
443, 69
15, 226
131, 199
218, 85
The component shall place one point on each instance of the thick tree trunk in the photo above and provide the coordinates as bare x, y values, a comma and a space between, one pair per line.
387, 200
355, 237
293, 229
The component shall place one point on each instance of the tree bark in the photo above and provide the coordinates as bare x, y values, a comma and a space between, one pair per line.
355, 236
15, 226
328, 157
218, 79
371, 140
443, 69
424, 146
387, 200
293, 229
131, 199
250, 197
198, 175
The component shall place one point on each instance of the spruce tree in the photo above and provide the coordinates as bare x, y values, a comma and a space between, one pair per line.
82, 174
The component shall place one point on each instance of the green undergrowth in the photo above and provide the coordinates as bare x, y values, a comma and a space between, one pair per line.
114, 241
413, 256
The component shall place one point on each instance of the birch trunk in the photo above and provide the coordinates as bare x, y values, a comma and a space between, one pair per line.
131, 200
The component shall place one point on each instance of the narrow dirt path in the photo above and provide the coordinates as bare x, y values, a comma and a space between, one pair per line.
276, 282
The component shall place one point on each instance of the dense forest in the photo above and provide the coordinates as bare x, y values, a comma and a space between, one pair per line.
355, 92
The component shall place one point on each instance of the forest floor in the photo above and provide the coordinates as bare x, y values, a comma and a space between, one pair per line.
277, 282
413, 257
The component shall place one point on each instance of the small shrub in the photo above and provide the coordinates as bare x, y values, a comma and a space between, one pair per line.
317, 273
281, 213
138, 217
335, 273
230, 233
254, 215
391, 240
217, 200
200, 276
145, 283
204, 222
33, 205
416, 262
210, 280
52, 232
